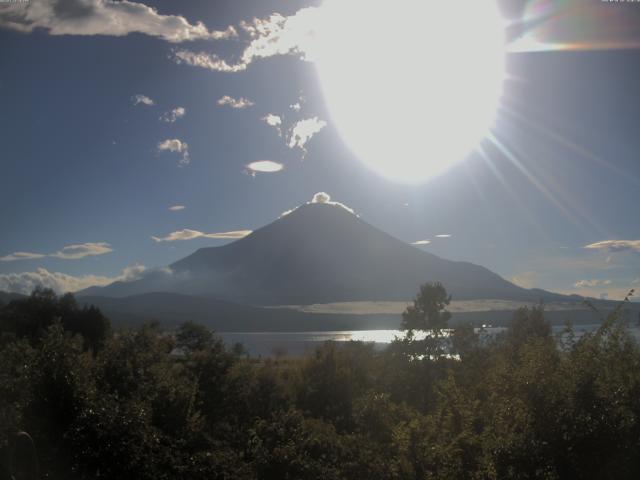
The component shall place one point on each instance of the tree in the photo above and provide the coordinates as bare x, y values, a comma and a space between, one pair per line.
31, 317
193, 337
429, 315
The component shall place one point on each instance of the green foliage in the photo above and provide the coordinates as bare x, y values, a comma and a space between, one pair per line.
151, 405
428, 309
428, 314
193, 337
30, 318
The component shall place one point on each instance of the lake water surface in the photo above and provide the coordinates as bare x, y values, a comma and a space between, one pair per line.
267, 344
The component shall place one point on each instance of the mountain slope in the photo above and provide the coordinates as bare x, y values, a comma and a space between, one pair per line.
317, 254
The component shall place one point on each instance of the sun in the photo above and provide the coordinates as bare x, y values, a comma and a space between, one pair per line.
412, 85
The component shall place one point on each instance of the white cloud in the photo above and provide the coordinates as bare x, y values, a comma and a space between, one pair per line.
173, 115
321, 197
591, 283
615, 246
304, 130
177, 146
421, 242
444, 235
296, 107
276, 35
21, 256
26, 282
210, 61
142, 99
325, 198
176, 208
69, 252
74, 252
237, 103
103, 17
187, 234
525, 279
273, 121
280, 35
263, 166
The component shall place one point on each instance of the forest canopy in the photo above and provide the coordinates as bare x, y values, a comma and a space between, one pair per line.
144, 404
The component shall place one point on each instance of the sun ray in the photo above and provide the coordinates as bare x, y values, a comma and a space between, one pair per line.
580, 150
510, 155
516, 198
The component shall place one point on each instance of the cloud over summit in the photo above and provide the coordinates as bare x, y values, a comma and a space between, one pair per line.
325, 199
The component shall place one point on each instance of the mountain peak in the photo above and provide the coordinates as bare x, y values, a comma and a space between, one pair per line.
322, 252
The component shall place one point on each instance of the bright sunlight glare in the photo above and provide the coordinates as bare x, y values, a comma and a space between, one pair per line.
412, 85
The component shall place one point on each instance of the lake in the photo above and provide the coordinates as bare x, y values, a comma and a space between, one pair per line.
268, 344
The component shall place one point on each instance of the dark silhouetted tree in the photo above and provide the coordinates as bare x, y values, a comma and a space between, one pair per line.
428, 314
30, 318
193, 337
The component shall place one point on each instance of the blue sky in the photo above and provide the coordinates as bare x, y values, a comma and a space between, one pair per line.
104, 130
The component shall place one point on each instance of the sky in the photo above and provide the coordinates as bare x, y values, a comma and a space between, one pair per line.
134, 133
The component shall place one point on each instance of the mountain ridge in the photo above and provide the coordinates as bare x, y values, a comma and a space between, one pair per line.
319, 253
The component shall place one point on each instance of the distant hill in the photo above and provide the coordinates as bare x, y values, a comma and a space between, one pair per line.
6, 297
171, 309
319, 254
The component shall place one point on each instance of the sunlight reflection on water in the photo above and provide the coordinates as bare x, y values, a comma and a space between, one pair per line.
296, 343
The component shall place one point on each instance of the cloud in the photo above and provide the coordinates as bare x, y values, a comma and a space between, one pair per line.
176, 208
444, 235
142, 99
210, 61
273, 121
177, 146
74, 252
237, 103
525, 279
263, 166
304, 130
275, 35
615, 246
296, 107
280, 35
325, 198
421, 242
104, 17
21, 256
187, 234
173, 115
69, 252
591, 283
26, 282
